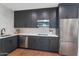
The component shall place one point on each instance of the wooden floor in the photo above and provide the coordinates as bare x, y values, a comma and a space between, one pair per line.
28, 52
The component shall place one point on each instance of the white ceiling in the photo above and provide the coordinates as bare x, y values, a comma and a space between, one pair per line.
26, 6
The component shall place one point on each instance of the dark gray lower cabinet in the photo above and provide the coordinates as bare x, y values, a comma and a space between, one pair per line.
40, 43
8, 44
32, 43
13, 41
43, 43
54, 44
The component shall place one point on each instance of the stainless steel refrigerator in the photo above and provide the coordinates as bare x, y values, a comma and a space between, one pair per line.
68, 37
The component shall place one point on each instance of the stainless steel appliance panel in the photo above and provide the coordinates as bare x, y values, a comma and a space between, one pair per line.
23, 42
68, 36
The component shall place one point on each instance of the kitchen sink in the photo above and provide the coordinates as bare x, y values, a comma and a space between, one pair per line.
4, 35
43, 34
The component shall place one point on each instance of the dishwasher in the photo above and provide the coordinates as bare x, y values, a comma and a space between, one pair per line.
23, 41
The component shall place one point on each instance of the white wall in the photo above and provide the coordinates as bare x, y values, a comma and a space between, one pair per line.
27, 6
6, 19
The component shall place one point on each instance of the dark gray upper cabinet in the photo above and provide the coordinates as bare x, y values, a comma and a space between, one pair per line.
78, 11
19, 19
42, 14
48, 14
28, 18
68, 11
33, 18
25, 19
53, 17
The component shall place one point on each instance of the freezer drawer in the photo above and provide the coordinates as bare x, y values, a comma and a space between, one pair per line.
68, 48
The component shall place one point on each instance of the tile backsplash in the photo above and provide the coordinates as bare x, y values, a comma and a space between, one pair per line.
37, 30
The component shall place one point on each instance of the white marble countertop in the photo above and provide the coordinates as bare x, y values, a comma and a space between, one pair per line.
47, 35
5, 36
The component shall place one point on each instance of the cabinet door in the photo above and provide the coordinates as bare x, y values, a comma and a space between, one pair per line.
32, 42
1, 50
40, 43
78, 12
32, 21
0, 46
8, 44
68, 11
54, 44
53, 17
19, 19
43, 14
5, 45
24, 19
14, 42
43, 43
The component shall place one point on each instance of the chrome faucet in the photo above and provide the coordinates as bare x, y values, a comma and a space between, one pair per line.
3, 29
